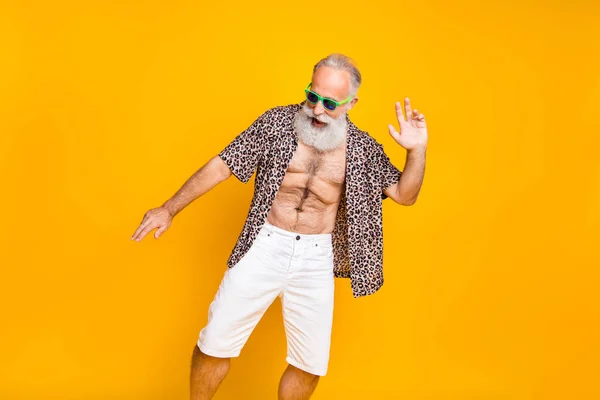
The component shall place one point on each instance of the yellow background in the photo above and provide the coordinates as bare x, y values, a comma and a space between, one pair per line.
492, 279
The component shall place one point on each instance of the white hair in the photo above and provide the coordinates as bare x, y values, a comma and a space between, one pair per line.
344, 63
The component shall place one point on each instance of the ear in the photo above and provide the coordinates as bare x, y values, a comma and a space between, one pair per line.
352, 102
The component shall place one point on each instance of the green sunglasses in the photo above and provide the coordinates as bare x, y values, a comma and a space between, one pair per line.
328, 103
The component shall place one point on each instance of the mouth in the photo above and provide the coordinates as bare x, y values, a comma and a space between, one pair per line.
318, 123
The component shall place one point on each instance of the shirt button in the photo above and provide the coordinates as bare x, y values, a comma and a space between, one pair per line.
298, 237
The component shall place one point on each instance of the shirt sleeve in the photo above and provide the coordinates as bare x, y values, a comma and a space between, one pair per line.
244, 153
389, 174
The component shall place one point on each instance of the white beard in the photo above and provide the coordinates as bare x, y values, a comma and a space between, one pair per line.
325, 138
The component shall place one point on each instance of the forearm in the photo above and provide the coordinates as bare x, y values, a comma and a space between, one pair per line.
412, 176
210, 175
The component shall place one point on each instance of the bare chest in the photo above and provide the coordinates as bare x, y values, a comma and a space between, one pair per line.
309, 164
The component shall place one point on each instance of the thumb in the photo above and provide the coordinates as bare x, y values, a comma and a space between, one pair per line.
393, 132
159, 232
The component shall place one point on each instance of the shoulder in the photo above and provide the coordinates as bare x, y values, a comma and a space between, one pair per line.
274, 114
282, 113
283, 110
363, 138
279, 117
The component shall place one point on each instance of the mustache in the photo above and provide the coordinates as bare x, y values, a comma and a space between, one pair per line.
321, 118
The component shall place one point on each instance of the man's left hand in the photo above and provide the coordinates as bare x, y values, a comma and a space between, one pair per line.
413, 129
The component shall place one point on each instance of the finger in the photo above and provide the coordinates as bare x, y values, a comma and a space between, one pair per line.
137, 231
142, 225
421, 117
407, 109
146, 231
140, 228
395, 134
415, 114
159, 231
401, 119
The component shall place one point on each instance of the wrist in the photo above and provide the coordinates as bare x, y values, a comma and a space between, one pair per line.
170, 209
418, 150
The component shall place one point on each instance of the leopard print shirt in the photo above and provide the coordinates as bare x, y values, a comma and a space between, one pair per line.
269, 144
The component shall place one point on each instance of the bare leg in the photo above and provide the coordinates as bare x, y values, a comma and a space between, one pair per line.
206, 375
296, 384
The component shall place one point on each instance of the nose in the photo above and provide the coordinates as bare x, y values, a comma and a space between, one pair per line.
319, 109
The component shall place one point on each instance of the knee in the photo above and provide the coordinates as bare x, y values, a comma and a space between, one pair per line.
296, 383
197, 353
311, 378
218, 364
305, 376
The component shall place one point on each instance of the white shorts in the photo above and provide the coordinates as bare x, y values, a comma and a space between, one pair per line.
298, 268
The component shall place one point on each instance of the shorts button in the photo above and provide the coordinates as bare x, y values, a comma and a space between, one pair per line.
298, 237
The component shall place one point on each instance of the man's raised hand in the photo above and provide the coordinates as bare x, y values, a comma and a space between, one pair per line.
413, 129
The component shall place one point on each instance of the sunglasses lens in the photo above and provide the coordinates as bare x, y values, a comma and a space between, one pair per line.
330, 105
310, 96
